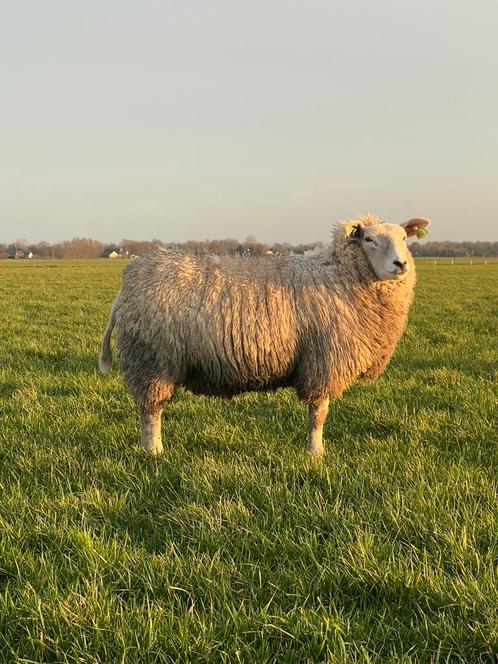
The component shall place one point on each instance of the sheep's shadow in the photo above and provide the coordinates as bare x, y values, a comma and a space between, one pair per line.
50, 361
149, 516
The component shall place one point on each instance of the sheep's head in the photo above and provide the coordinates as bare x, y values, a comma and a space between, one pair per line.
384, 244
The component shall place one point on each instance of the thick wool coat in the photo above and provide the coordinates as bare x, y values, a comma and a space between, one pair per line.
223, 325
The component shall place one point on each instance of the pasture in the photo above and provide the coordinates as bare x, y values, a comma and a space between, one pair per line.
236, 546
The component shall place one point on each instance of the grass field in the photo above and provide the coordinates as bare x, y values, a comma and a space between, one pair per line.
236, 546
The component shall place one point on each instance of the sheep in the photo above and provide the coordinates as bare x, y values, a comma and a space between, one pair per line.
224, 325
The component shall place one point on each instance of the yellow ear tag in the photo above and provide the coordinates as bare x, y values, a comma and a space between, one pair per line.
421, 233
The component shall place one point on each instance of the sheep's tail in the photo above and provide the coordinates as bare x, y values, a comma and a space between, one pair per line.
105, 360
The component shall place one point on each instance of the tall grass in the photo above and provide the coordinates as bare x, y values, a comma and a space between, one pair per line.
236, 546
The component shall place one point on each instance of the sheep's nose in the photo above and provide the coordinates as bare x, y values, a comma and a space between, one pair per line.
401, 265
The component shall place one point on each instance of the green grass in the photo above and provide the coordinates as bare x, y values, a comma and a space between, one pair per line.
236, 546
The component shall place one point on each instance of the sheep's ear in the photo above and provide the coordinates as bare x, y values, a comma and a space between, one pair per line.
354, 230
416, 227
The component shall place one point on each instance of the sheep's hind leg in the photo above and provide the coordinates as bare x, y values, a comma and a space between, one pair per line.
150, 420
150, 410
317, 412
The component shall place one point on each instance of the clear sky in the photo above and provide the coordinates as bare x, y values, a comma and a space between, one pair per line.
192, 119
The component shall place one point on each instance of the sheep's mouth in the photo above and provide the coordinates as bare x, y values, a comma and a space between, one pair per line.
398, 274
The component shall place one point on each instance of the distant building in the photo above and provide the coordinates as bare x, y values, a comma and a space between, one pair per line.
114, 254
23, 253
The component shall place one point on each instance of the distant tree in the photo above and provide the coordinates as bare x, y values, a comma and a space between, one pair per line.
194, 247
454, 249
221, 247
281, 248
43, 250
251, 247
11, 250
57, 250
140, 247
81, 247
89, 248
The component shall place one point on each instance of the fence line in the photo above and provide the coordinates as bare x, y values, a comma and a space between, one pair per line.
447, 260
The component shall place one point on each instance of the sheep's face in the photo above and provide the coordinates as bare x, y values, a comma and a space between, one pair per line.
385, 246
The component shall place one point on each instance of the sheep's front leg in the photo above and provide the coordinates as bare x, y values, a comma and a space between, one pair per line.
317, 412
150, 417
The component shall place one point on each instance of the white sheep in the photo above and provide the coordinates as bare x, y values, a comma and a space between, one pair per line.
224, 325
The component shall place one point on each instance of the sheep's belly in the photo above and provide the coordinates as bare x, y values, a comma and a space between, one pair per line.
197, 383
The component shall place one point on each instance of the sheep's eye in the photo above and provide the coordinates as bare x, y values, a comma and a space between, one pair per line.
369, 239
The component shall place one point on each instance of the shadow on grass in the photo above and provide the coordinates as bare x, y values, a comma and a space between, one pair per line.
50, 361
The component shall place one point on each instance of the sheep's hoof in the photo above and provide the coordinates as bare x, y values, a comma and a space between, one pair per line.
316, 453
154, 450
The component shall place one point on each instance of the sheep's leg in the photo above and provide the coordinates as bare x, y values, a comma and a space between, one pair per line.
317, 412
150, 418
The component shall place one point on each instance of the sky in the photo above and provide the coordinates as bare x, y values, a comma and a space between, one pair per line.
211, 119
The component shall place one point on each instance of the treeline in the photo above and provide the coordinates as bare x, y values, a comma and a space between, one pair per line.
454, 249
88, 248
